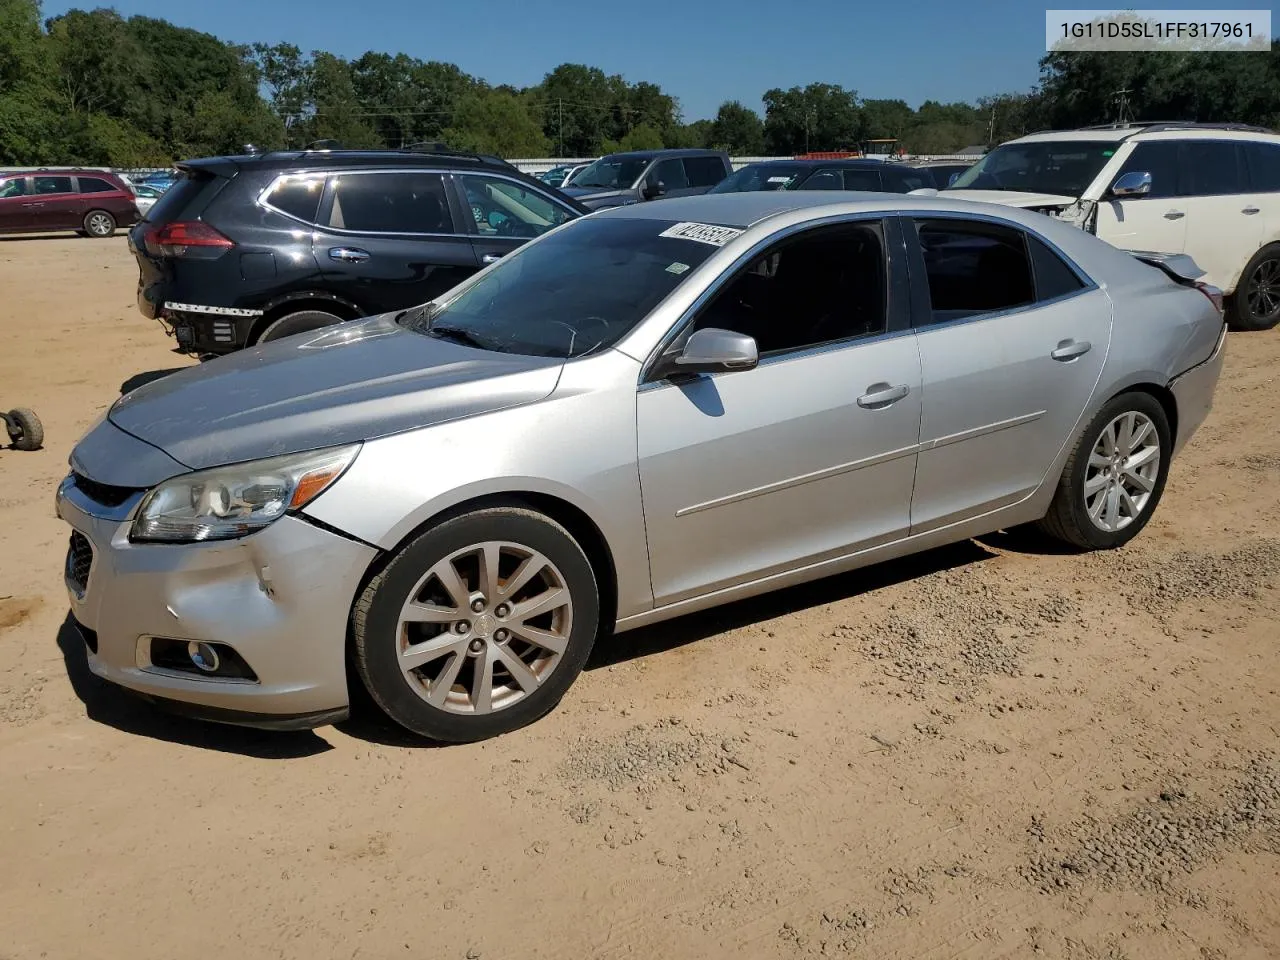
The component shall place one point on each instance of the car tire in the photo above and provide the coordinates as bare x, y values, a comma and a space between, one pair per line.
99, 224
25, 430
1115, 476
1259, 285
301, 321
475, 626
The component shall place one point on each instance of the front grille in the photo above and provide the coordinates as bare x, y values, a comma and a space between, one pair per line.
79, 561
103, 493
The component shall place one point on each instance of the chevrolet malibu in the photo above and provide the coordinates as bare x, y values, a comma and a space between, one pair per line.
645, 412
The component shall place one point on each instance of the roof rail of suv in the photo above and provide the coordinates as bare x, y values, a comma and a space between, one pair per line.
1150, 126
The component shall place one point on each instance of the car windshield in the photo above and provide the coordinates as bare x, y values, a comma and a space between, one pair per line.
579, 290
1064, 167
761, 176
615, 173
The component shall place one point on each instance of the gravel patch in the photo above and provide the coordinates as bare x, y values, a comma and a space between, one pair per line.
1148, 848
648, 754
1241, 573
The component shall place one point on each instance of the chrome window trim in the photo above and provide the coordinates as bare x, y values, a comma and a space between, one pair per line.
326, 174
714, 287
1089, 285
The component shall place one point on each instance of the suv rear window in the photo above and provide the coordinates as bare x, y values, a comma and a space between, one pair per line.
184, 192
297, 196
390, 203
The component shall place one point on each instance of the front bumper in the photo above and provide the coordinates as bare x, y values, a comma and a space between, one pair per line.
1193, 392
279, 598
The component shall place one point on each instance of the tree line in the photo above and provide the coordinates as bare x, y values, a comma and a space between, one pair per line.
93, 87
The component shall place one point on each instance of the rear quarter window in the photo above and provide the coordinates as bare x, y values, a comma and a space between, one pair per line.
188, 196
96, 185
296, 196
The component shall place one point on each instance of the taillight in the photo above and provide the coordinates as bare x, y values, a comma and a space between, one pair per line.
183, 237
1213, 293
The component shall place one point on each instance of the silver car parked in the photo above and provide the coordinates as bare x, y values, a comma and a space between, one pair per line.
645, 412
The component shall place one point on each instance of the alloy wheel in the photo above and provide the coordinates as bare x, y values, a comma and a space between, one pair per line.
100, 224
484, 627
1122, 471
1263, 290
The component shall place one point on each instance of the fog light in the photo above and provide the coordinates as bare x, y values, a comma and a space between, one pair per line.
204, 657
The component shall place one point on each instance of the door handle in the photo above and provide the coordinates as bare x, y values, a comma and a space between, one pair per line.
1068, 350
348, 255
489, 258
1250, 211
39, 203
881, 395
1174, 215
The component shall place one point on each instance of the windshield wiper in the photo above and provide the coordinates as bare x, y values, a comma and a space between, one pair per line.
458, 335
420, 317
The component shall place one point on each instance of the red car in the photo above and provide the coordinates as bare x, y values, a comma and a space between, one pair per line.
90, 202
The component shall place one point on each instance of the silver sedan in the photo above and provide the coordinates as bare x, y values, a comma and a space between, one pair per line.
648, 411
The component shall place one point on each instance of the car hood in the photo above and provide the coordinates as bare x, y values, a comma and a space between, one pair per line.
597, 197
1012, 198
339, 385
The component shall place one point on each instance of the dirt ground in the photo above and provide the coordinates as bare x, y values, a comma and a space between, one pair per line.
991, 750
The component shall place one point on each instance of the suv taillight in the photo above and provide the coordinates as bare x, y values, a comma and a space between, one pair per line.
1213, 293
183, 237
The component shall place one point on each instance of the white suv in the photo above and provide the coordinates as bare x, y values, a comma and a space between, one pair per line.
1210, 191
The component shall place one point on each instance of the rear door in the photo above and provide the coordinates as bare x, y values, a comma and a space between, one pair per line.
705, 172
15, 204
57, 205
1224, 221
1012, 342
391, 239
504, 213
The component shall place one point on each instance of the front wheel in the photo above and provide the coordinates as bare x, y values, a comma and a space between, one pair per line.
478, 626
1114, 477
99, 224
1256, 304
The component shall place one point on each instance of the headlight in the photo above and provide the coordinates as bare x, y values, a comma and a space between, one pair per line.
228, 502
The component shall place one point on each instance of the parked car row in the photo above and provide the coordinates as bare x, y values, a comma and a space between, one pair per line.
91, 202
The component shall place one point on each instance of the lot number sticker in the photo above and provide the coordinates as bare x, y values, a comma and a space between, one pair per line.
702, 232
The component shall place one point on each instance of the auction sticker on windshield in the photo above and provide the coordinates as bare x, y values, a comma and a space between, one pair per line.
702, 232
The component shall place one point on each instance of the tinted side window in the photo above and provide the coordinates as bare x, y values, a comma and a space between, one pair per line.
830, 179
905, 179
53, 184
855, 179
1158, 158
504, 208
704, 171
297, 196
1210, 168
14, 187
826, 285
670, 173
1264, 166
94, 185
1053, 277
974, 268
407, 202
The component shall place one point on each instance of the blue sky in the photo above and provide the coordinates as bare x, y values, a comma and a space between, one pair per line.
701, 51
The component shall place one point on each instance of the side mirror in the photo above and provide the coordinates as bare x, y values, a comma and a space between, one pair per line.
712, 350
1135, 183
654, 189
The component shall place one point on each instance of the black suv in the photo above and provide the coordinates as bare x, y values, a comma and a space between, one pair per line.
251, 248
621, 178
878, 176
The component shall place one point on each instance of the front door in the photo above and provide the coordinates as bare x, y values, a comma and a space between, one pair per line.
506, 213
390, 240
15, 204
1156, 221
1012, 343
809, 456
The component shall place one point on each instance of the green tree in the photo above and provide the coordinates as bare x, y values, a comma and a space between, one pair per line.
738, 129
496, 121
820, 116
887, 118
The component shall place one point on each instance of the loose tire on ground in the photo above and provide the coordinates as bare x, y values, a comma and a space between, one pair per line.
1069, 517
29, 431
530, 546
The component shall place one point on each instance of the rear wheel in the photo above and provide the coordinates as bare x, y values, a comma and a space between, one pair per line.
1114, 477
478, 626
1256, 304
300, 321
99, 223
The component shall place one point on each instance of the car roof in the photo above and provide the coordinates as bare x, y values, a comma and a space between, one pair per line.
1113, 133
295, 159
808, 162
673, 152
